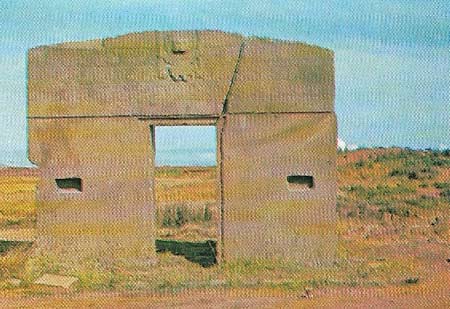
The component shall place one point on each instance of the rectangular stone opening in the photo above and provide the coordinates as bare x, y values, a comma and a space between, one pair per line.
300, 182
69, 184
186, 191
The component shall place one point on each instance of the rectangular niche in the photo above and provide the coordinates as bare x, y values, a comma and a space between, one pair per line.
299, 182
72, 184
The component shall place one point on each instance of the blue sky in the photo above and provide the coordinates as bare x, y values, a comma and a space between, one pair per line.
392, 57
173, 149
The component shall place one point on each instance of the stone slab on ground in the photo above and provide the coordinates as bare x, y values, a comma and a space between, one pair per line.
56, 280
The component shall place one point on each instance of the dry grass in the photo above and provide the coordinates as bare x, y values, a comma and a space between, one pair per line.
393, 229
186, 201
185, 184
12, 262
395, 194
17, 201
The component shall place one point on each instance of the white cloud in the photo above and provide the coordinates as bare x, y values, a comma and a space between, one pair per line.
352, 147
342, 145
443, 147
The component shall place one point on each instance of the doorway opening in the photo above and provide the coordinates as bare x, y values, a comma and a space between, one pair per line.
186, 191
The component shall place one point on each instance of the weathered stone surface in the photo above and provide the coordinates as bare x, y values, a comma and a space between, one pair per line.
56, 280
133, 75
178, 74
277, 76
91, 108
263, 216
113, 215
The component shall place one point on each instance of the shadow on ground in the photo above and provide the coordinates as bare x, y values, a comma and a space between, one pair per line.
5, 246
203, 253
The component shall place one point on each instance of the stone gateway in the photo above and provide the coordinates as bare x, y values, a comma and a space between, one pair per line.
92, 109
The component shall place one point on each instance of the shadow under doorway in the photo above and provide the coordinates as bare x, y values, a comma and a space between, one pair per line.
186, 192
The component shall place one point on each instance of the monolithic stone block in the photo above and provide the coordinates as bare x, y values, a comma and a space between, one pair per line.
265, 214
95, 190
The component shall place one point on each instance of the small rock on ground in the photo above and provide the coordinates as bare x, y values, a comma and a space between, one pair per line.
14, 281
56, 280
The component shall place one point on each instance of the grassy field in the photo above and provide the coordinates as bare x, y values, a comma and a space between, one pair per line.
394, 229
395, 194
186, 203
17, 198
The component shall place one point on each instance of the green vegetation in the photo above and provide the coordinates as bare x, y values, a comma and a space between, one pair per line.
442, 185
5, 246
415, 165
423, 202
179, 215
446, 194
396, 182
13, 255
411, 280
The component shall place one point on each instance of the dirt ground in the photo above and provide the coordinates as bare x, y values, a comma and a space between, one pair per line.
420, 296
431, 291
